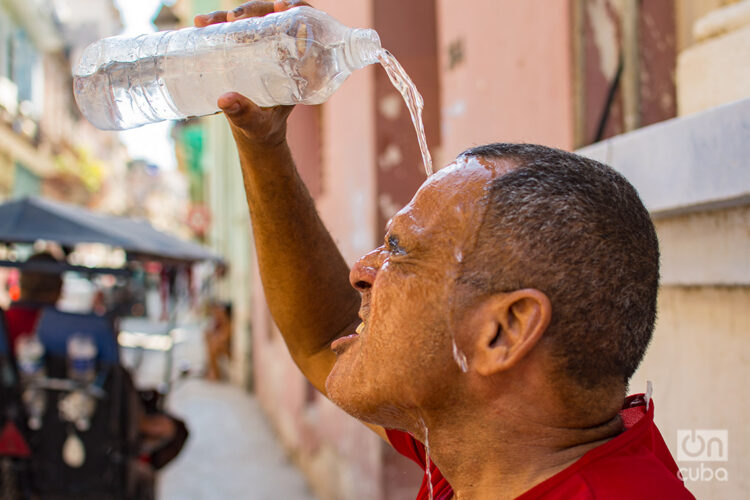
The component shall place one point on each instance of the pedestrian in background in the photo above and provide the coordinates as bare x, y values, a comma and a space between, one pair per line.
218, 338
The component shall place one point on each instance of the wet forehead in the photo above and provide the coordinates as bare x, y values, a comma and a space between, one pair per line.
451, 196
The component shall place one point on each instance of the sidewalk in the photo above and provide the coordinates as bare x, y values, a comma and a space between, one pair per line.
231, 453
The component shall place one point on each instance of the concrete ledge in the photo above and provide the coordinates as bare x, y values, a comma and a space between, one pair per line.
690, 164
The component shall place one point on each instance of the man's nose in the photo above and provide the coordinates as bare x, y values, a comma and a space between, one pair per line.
364, 270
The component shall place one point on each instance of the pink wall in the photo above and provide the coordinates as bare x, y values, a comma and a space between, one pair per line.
514, 82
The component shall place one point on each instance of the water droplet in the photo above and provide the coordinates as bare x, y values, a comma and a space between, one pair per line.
460, 358
427, 470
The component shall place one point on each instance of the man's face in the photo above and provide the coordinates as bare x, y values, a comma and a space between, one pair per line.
402, 357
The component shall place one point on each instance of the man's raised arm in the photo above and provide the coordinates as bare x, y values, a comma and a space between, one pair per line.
304, 276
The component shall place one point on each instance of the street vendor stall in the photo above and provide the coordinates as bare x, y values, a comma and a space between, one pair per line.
80, 430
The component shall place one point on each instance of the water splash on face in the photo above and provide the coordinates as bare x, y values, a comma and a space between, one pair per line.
427, 469
459, 357
459, 255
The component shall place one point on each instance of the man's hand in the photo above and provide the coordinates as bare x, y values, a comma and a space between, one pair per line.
252, 126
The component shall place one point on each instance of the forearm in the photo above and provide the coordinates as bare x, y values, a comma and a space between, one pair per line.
304, 276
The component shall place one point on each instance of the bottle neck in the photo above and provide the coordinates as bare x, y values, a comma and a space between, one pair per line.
362, 47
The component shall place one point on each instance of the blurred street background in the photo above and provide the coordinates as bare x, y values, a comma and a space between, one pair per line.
659, 89
232, 451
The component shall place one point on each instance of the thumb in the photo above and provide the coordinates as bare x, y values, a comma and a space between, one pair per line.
263, 126
237, 108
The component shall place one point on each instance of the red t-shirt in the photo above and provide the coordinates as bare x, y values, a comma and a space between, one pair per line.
20, 320
634, 465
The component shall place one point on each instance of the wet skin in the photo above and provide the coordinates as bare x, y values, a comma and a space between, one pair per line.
401, 363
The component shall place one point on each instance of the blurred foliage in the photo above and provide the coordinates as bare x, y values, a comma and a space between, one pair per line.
82, 164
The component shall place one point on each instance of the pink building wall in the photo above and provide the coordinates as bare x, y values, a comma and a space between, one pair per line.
506, 73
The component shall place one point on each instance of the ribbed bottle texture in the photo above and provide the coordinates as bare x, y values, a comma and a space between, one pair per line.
298, 56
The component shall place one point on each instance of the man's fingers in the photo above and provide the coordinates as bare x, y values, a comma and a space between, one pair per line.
201, 20
258, 8
255, 8
282, 5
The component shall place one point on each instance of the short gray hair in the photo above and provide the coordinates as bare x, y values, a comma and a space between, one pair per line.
576, 230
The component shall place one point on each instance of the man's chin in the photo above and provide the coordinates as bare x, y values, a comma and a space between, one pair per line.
344, 400
353, 396
348, 392
336, 385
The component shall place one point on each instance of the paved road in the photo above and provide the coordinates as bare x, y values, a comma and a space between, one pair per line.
232, 452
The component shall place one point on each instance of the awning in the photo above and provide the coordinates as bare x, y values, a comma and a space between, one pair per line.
30, 219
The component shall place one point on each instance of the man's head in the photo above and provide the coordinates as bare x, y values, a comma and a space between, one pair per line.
576, 230
41, 287
514, 256
407, 287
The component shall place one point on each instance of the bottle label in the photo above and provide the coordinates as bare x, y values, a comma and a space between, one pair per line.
29, 366
82, 365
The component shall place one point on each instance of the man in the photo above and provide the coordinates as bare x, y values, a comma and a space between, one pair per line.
38, 290
498, 324
218, 337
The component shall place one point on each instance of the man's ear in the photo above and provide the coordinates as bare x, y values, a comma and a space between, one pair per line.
510, 324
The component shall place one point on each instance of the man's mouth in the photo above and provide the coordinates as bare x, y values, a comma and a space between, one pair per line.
364, 308
340, 345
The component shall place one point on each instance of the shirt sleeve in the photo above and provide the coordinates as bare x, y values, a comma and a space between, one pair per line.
406, 445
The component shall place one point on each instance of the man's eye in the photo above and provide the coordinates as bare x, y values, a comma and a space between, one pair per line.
394, 247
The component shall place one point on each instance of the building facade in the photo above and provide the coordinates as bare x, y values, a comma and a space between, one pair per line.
47, 148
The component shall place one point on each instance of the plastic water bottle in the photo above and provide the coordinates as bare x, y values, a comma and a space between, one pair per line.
30, 359
82, 353
78, 406
301, 55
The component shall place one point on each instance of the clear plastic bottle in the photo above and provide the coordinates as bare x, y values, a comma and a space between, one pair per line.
301, 55
82, 353
30, 357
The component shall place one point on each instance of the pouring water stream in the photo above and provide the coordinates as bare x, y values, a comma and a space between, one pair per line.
412, 98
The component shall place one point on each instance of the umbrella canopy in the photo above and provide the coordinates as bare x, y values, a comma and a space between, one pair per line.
29, 219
